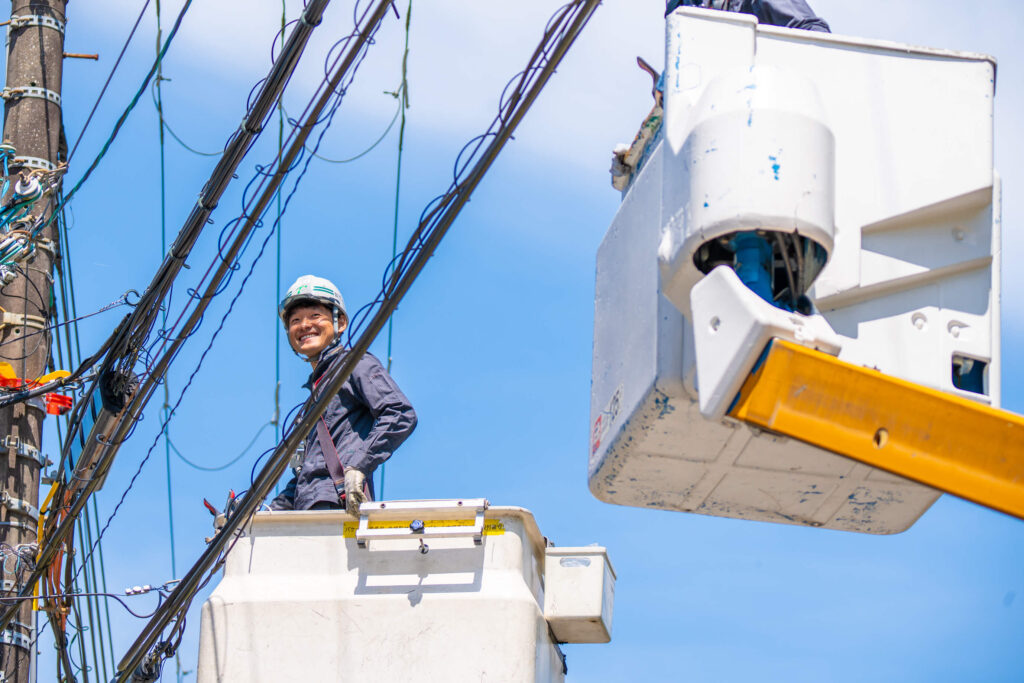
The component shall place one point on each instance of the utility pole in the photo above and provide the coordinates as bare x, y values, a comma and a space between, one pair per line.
33, 124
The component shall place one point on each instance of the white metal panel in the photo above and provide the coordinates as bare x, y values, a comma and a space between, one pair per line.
579, 594
912, 283
300, 601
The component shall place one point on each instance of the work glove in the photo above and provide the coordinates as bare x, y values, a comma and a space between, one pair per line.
354, 496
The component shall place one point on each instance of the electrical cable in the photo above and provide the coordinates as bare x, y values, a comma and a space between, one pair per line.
277, 251
373, 145
124, 300
403, 104
159, 102
110, 77
226, 465
124, 116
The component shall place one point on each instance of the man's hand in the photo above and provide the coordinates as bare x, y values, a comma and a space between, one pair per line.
354, 496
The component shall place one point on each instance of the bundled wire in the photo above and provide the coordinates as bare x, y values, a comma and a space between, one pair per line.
144, 657
22, 215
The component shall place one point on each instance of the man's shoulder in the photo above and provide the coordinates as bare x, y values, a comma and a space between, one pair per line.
367, 363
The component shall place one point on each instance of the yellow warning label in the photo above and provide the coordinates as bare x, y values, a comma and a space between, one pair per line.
492, 527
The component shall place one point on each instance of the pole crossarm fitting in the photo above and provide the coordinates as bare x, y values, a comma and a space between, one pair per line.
10, 637
9, 319
26, 20
34, 162
16, 639
24, 526
30, 91
47, 245
18, 505
23, 450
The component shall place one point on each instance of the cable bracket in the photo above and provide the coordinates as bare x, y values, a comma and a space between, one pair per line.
34, 162
8, 318
23, 450
47, 245
26, 20
18, 505
30, 91
12, 637
24, 526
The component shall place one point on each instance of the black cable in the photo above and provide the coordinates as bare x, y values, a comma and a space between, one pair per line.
55, 596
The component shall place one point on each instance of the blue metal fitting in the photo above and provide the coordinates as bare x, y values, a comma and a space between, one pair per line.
753, 263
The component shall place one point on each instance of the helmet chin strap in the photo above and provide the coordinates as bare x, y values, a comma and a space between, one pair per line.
334, 342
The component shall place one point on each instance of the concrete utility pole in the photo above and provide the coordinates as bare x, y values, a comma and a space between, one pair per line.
33, 125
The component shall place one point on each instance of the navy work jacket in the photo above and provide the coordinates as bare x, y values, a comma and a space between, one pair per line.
368, 419
785, 13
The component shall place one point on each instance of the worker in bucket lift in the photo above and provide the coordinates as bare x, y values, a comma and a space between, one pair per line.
785, 13
366, 420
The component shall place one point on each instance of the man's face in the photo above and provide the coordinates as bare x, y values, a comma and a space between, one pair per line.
311, 328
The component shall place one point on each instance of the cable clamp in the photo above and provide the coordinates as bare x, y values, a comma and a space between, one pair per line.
34, 162
24, 526
7, 318
23, 450
47, 245
9, 586
12, 637
26, 20
30, 91
18, 505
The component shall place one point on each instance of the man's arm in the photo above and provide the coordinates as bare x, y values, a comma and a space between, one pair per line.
394, 418
785, 13
788, 14
286, 499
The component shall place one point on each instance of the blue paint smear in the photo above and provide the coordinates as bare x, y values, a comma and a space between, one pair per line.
705, 205
775, 166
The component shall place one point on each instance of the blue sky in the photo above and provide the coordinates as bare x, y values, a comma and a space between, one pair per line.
493, 344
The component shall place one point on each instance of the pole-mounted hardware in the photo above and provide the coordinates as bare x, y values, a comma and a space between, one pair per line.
26, 20
11, 637
30, 91
23, 450
33, 162
18, 505
7, 318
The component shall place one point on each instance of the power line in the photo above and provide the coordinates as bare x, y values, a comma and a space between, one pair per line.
403, 104
131, 105
217, 468
110, 77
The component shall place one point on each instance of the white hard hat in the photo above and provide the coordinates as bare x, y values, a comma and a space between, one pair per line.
311, 288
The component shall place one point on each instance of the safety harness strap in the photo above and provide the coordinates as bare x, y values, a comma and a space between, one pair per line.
331, 457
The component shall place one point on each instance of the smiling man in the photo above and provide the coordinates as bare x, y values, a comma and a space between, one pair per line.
366, 420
